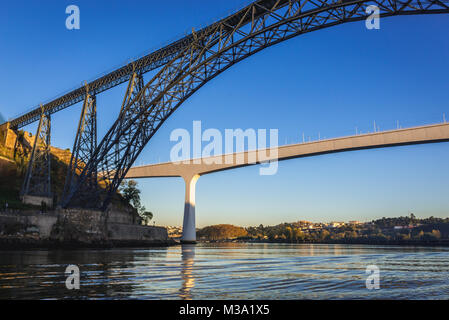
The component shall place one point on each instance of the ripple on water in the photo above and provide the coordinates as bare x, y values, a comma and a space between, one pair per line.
230, 271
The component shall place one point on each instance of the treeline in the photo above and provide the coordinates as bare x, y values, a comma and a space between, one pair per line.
410, 229
349, 233
406, 221
222, 232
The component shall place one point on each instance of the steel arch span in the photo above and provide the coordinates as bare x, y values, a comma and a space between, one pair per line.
215, 48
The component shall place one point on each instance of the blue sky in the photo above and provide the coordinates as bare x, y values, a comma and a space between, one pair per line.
327, 82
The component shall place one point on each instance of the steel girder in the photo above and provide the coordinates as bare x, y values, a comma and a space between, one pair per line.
135, 85
145, 64
37, 180
84, 147
148, 63
214, 50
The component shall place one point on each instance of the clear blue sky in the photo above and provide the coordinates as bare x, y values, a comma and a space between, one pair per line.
326, 82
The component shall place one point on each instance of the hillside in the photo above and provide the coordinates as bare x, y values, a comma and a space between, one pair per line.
221, 232
13, 167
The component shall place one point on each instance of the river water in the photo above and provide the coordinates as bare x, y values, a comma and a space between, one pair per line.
229, 271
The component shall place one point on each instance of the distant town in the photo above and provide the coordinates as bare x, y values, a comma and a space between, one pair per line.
408, 229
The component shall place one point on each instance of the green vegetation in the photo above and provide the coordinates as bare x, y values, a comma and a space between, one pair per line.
131, 195
10, 196
395, 230
385, 229
222, 232
146, 216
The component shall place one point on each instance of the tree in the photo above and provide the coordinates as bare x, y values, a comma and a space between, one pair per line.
288, 233
436, 234
403, 236
131, 194
147, 216
299, 235
324, 235
222, 231
261, 230
420, 235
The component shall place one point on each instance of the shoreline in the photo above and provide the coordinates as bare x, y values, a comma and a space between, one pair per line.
78, 229
26, 244
407, 243
12, 244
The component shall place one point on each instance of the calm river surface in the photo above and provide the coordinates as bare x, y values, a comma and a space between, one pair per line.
229, 271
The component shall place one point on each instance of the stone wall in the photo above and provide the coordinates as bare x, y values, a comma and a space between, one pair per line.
4, 133
8, 136
81, 225
38, 226
128, 216
78, 227
130, 232
44, 223
37, 201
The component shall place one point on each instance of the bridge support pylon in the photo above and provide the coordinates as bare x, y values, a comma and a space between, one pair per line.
189, 226
84, 148
36, 188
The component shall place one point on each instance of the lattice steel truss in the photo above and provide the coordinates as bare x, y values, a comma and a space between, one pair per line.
84, 147
212, 51
145, 64
135, 86
37, 179
86, 139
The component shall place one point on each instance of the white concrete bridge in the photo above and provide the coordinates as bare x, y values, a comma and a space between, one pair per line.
191, 170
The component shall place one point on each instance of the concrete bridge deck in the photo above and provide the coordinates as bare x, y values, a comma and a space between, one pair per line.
416, 135
192, 169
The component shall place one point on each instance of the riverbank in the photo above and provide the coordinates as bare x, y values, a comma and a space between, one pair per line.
78, 228
416, 243
26, 244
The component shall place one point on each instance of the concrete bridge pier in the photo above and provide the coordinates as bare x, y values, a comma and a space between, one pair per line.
188, 226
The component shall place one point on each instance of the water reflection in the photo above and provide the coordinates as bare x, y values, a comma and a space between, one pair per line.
228, 271
188, 280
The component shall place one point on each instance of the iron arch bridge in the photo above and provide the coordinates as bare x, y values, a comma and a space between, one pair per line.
198, 59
